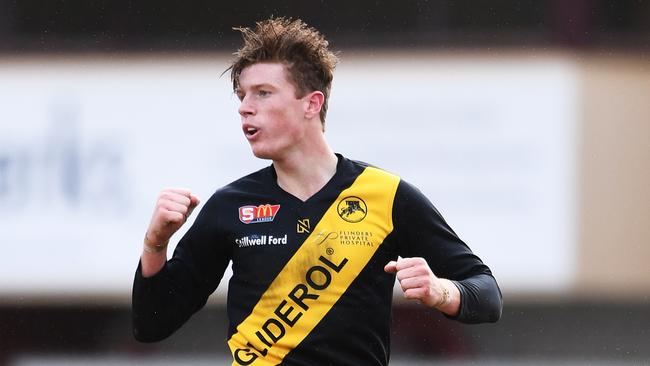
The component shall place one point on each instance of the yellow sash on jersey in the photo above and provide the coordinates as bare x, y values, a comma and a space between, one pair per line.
320, 271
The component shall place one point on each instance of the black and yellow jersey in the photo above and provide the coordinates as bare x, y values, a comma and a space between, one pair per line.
308, 285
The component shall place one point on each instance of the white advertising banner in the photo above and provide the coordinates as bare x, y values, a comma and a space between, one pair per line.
86, 145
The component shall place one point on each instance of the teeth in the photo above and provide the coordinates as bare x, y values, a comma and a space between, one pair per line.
251, 130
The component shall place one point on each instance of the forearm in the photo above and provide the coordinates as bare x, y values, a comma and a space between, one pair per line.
162, 294
153, 257
161, 303
480, 300
156, 304
450, 304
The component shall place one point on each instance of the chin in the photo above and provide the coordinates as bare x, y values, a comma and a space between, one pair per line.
262, 154
273, 152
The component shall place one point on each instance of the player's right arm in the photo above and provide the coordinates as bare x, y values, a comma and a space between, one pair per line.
173, 207
167, 292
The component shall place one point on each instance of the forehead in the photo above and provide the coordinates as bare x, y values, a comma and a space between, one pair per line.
274, 73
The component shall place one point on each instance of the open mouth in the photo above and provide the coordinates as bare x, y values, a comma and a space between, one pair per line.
250, 131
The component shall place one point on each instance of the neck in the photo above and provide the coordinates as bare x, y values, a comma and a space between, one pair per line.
302, 175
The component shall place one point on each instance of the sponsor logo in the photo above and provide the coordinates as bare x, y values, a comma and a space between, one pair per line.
323, 236
346, 237
303, 226
290, 310
352, 209
356, 237
256, 240
255, 214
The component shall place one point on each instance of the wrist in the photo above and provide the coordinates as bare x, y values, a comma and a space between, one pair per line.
444, 298
151, 247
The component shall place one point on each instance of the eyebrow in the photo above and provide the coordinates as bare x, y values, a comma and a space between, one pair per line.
257, 86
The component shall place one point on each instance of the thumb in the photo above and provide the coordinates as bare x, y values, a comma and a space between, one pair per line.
391, 267
194, 201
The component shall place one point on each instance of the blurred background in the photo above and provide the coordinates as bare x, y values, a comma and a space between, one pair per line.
525, 122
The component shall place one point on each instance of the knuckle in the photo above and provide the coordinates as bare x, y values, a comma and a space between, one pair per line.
426, 292
160, 210
162, 204
411, 294
170, 216
168, 196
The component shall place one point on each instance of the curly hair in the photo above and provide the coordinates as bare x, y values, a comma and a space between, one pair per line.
302, 49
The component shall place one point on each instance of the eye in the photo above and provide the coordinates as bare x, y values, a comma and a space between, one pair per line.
263, 93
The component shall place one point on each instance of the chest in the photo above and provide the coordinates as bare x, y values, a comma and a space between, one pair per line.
273, 237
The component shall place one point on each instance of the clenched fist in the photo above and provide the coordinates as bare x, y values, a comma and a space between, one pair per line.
419, 283
173, 207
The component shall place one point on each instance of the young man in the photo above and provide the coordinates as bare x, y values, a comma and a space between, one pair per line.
314, 238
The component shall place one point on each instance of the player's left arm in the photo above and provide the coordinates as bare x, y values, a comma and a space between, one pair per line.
437, 267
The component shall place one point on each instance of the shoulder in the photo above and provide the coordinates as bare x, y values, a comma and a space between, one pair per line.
410, 198
357, 166
408, 190
412, 204
405, 189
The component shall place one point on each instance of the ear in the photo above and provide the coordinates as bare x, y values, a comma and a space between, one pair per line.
315, 102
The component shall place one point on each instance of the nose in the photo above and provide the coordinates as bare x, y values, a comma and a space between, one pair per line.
246, 108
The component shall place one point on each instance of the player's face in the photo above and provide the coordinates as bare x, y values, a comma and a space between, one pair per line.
273, 118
